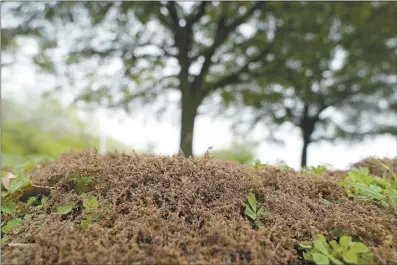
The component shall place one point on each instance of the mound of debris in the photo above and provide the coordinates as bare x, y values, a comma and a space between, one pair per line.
176, 210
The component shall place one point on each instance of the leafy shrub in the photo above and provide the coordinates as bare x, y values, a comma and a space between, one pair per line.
360, 184
344, 252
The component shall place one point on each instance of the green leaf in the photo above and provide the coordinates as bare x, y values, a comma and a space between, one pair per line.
252, 201
43, 200
344, 241
261, 212
8, 207
11, 224
335, 261
31, 201
4, 240
321, 244
250, 213
305, 246
350, 257
327, 202
84, 224
90, 203
359, 247
320, 259
19, 183
335, 246
64, 209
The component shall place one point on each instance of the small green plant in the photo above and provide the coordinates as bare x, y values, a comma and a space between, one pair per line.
19, 183
83, 184
8, 207
251, 209
65, 209
318, 170
90, 203
11, 224
85, 223
360, 184
43, 201
31, 201
258, 164
4, 240
344, 252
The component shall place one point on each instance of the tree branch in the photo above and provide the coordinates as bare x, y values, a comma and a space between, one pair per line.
173, 14
222, 33
235, 77
194, 17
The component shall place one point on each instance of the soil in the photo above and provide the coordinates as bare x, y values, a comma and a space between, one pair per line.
176, 210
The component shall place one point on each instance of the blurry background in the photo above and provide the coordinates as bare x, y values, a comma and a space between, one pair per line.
305, 83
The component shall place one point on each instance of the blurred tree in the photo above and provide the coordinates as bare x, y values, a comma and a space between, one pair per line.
341, 59
206, 45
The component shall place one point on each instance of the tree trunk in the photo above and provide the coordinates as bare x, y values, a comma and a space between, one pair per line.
189, 108
306, 142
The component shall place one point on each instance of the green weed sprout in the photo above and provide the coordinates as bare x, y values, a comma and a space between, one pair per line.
83, 184
318, 170
65, 209
20, 182
90, 203
251, 209
11, 224
360, 184
8, 207
258, 164
345, 252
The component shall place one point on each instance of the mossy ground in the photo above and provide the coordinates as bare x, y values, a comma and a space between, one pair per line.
169, 210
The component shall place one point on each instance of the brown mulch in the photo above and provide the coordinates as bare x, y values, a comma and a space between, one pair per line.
175, 210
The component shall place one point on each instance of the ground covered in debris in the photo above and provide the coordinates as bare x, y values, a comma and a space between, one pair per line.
121, 209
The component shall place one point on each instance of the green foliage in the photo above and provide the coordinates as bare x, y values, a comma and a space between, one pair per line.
4, 240
251, 209
19, 183
345, 252
8, 207
90, 203
11, 224
318, 170
360, 184
258, 164
82, 184
85, 223
31, 201
65, 209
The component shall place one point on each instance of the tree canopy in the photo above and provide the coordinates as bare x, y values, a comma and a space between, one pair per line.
276, 57
340, 60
